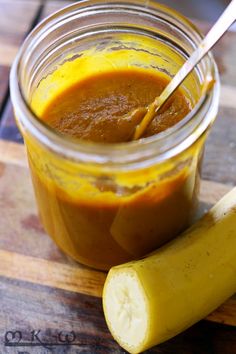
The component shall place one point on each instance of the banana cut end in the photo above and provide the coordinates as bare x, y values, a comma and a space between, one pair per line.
125, 309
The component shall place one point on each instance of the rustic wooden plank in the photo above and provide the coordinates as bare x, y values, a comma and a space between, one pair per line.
4, 73
62, 276
13, 153
28, 307
226, 313
9, 44
220, 154
15, 21
68, 304
227, 96
23, 241
20, 229
8, 127
78, 279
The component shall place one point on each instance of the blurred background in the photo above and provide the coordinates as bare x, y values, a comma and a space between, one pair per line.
207, 10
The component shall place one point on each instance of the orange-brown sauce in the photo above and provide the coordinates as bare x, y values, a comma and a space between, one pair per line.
97, 109
102, 232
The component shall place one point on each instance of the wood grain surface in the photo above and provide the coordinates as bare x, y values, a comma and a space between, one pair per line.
16, 18
4, 73
47, 297
37, 278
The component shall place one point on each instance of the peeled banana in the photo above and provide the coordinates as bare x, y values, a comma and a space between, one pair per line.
153, 299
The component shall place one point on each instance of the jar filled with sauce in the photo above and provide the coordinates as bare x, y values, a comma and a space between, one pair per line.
103, 198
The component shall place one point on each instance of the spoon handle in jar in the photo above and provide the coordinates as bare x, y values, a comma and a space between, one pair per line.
215, 33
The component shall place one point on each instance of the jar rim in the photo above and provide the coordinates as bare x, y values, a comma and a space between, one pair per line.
128, 154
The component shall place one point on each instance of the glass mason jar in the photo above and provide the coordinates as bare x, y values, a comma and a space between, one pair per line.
104, 204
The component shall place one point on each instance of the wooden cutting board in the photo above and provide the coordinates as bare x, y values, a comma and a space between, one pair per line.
29, 257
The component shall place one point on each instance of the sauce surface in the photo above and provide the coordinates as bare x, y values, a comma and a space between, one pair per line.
97, 108
103, 219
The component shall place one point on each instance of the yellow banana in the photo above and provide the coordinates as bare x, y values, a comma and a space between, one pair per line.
153, 299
